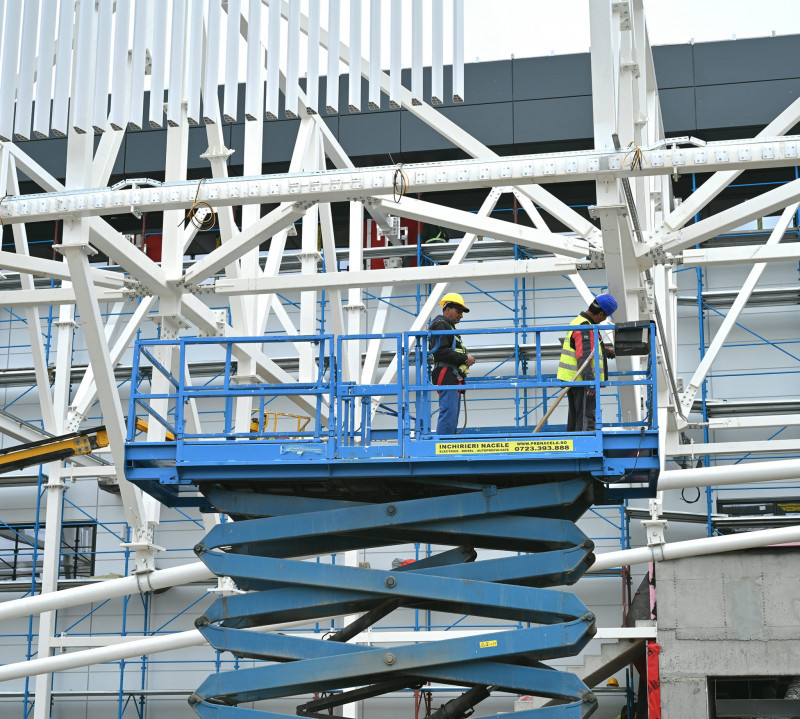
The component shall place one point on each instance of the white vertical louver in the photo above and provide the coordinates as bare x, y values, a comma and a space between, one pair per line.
80, 53
102, 68
158, 66
437, 56
44, 67
458, 50
395, 54
312, 75
195, 53
119, 75
355, 56
374, 54
273, 60
211, 64
332, 79
27, 64
138, 58
292, 60
231, 103
8, 88
176, 55
416, 52
83, 79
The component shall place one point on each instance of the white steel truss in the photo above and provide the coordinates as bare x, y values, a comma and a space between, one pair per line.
640, 235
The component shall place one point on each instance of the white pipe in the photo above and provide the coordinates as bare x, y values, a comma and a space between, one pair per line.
696, 547
145, 582
729, 474
116, 652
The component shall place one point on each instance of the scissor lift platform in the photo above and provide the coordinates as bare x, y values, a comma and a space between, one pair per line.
364, 470
176, 471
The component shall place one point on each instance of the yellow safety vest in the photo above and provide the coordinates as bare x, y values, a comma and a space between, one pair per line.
568, 364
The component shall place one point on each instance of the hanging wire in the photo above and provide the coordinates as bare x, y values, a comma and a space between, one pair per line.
637, 157
207, 222
690, 501
400, 182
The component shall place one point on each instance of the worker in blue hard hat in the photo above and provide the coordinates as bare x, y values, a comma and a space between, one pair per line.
451, 361
578, 346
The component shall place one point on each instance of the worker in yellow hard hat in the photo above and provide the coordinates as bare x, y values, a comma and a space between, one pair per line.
612, 682
451, 361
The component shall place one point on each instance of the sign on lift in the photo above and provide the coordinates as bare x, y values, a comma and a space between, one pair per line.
511, 447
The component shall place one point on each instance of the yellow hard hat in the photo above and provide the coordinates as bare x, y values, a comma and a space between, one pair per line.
455, 298
612, 682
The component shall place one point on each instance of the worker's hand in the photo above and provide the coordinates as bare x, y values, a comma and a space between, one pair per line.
609, 352
470, 361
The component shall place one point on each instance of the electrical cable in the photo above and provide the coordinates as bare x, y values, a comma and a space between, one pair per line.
466, 415
399, 182
208, 221
691, 501
638, 158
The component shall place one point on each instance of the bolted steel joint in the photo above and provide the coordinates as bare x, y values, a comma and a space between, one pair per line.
391, 510
390, 582
389, 658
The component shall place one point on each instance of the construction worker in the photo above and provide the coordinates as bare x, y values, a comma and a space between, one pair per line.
578, 345
450, 360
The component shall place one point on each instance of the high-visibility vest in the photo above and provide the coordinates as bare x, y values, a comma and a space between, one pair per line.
568, 364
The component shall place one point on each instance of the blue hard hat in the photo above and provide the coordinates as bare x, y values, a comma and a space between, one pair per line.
607, 303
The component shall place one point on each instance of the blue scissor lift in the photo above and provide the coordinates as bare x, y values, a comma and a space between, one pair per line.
337, 475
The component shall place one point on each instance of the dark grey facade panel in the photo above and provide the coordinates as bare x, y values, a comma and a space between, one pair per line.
51, 154
536, 78
563, 118
678, 110
485, 82
145, 152
753, 104
370, 133
674, 66
736, 61
416, 136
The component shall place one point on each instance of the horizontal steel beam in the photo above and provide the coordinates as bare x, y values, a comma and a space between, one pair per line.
360, 183
741, 255
502, 269
733, 449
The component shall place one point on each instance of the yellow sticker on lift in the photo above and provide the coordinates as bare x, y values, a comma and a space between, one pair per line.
789, 506
512, 447
486, 645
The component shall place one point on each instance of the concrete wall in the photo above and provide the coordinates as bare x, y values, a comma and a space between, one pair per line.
728, 615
